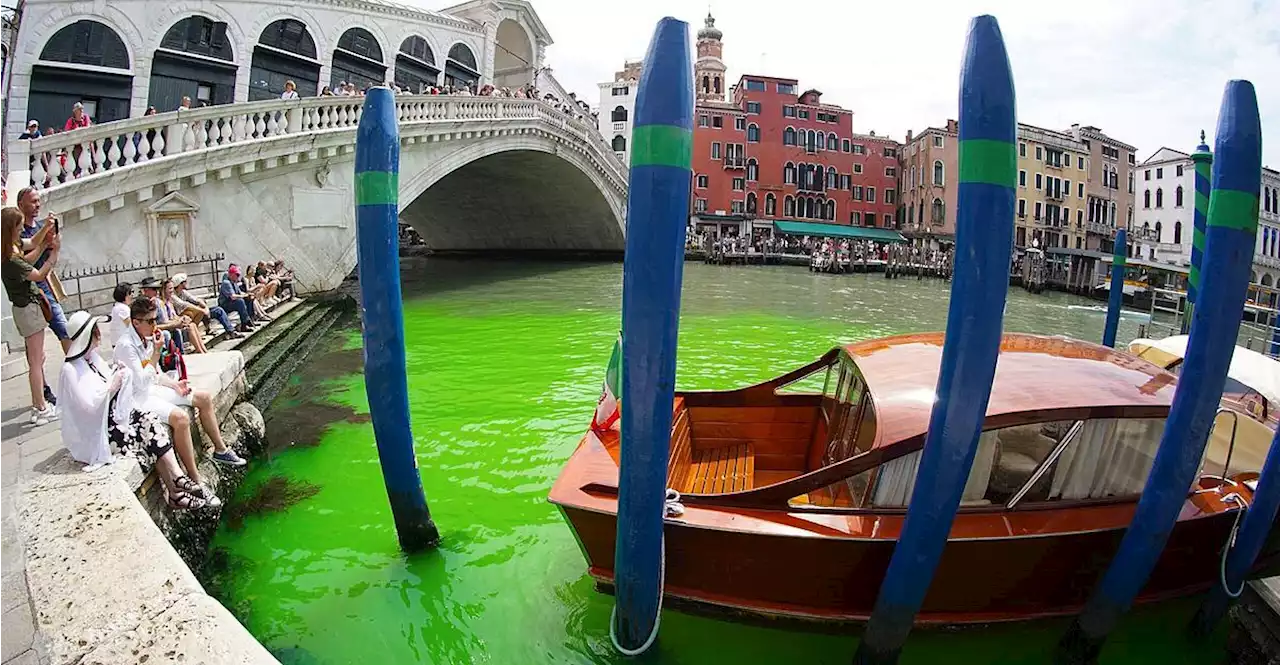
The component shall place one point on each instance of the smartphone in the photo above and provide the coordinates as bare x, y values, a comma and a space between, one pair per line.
57, 226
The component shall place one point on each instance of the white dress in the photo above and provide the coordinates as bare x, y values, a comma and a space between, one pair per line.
84, 404
142, 390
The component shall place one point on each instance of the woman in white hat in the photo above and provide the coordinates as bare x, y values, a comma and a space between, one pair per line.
93, 418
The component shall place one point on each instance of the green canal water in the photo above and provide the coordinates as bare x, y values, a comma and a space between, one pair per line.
505, 362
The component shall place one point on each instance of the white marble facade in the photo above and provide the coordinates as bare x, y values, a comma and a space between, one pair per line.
141, 24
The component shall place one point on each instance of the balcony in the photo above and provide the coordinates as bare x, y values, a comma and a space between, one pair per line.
735, 162
1054, 195
1268, 261
1099, 228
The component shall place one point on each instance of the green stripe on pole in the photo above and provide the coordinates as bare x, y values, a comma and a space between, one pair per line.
1202, 202
1234, 210
1194, 275
1120, 260
988, 162
377, 188
661, 145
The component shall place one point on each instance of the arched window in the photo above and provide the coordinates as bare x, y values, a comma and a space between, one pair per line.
1266, 279
811, 140
1177, 232
789, 136
416, 67
822, 141
1146, 198
751, 202
833, 178
1158, 227
706, 83
753, 170
753, 133
1159, 197
939, 211
1177, 198
911, 214
87, 42
938, 173
289, 55
831, 210
203, 79
789, 174
832, 142
619, 114
357, 59
810, 208
922, 211
788, 207
1131, 182
619, 143
770, 205
200, 35
717, 85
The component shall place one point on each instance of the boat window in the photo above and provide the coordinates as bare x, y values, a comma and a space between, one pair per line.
813, 383
847, 493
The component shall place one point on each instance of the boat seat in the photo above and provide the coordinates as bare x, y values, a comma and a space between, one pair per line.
721, 470
1018, 453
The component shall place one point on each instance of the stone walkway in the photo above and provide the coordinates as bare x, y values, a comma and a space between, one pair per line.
25, 448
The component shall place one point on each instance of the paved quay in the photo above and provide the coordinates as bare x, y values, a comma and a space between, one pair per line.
88, 577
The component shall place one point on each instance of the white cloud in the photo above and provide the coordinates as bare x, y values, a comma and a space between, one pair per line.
1148, 72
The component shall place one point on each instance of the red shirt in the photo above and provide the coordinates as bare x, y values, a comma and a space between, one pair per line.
73, 124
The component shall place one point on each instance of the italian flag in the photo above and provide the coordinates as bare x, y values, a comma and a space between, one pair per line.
608, 409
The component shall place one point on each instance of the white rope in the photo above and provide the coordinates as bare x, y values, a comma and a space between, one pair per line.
1231, 542
671, 507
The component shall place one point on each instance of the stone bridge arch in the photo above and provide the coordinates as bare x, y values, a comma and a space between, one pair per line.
525, 192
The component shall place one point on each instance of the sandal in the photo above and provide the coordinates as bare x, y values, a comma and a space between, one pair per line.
184, 501
186, 484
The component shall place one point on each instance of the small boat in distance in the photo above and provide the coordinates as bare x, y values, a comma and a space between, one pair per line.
795, 490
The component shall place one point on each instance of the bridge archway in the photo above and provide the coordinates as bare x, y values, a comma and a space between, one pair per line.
286, 51
416, 67
195, 59
358, 60
85, 62
461, 67
529, 195
514, 59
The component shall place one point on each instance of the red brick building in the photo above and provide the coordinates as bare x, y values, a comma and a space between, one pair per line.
778, 153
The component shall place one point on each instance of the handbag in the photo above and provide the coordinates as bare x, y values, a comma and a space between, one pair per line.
45, 308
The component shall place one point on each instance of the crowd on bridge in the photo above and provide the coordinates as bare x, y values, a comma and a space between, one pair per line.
138, 401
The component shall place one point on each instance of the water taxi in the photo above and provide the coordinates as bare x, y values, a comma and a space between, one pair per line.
795, 490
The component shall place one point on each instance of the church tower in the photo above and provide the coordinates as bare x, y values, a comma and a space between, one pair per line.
709, 71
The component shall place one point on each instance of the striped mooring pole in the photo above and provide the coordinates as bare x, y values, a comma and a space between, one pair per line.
1202, 160
1232, 224
377, 187
652, 270
984, 237
1115, 299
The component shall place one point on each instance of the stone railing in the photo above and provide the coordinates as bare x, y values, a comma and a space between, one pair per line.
68, 156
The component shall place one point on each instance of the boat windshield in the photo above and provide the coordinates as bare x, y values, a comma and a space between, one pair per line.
1035, 462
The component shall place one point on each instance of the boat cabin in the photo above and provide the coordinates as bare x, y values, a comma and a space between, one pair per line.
1066, 421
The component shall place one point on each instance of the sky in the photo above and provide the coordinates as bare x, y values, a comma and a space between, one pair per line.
1147, 72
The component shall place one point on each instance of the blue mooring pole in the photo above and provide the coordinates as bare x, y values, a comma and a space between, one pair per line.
1254, 529
657, 213
1115, 300
1232, 225
984, 236
377, 188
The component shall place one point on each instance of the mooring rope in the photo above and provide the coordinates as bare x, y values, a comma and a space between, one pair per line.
1231, 542
671, 507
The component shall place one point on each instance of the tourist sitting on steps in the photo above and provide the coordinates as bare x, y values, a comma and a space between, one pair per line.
90, 422
252, 294
20, 279
196, 308
155, 392
190, 328
169, 326
286, 278
265, 284
233, 299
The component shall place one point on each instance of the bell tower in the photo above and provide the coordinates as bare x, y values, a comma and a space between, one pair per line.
709, 71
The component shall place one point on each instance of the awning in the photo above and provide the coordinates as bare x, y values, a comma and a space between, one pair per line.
837, 231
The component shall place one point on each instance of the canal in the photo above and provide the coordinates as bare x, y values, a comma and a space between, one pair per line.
505, 362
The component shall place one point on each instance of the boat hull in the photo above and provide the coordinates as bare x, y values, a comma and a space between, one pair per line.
985, 580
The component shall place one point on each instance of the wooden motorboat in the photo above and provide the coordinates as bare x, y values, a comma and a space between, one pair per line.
795, 489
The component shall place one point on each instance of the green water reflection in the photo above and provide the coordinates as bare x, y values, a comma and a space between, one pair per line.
505, 362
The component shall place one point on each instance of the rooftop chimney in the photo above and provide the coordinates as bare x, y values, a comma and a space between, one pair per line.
952, 126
